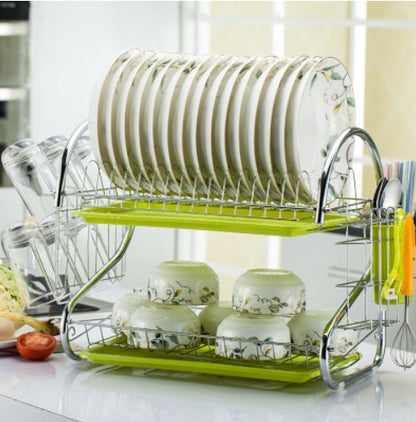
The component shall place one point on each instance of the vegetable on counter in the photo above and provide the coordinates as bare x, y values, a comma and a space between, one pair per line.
7, 329
11, 295
48, 327
35, 346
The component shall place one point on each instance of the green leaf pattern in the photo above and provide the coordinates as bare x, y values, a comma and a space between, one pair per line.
179, 293
255, 304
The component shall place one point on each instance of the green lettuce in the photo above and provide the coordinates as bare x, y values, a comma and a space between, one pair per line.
11, 297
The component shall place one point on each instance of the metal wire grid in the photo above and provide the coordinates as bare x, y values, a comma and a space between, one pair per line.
200, 347
101, 191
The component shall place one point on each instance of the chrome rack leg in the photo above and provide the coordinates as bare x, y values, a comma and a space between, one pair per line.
66, 314
330, 160
380, 332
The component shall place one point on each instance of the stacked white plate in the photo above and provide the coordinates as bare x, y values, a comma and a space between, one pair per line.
238, 128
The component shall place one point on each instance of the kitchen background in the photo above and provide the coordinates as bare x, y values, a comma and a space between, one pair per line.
70, 43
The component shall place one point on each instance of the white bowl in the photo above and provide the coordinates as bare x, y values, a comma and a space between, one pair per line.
124, 308
183, 283
306, 329
212, 315
269, 291
247, 336
160, 326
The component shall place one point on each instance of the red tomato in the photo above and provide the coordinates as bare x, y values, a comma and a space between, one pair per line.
35, 346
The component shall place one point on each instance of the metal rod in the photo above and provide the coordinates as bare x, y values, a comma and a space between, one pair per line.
324, 362
66, 314
330, 160
66, 158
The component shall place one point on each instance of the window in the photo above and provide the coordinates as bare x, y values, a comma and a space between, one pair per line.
375, 41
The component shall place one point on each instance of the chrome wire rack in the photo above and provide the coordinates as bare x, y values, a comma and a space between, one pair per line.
105, 203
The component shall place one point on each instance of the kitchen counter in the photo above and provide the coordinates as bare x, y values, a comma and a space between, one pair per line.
61, 389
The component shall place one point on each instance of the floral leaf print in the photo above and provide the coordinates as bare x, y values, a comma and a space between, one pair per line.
206, 297
335, 76
177, 292
237, 353
351, 101
159, 343
155, 72
313, 80
337, 108
328, 68
173, 338
274, 308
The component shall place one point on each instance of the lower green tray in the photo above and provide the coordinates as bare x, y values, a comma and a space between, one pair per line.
295, 370
265, 221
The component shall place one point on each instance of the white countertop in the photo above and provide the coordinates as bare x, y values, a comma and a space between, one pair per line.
86, 392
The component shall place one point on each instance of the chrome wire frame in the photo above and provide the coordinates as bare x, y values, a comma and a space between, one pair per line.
104, 196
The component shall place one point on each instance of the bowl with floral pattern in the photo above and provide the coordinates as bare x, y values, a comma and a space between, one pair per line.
306, 331
254, 337
212, 315
164, 327
269, 291
123, 309
183, 283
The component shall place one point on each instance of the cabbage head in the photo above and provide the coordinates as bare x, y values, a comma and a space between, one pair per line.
11, 297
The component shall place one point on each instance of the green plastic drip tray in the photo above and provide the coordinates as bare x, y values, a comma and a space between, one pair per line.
264, 221
294, 369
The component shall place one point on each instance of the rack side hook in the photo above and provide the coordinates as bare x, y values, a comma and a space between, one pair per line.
329, 163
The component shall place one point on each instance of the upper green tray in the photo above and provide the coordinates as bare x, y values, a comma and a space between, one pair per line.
216, 217
294, 370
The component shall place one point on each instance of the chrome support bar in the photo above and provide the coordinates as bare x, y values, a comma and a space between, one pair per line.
66, 314
380, 330
330, 160
66, 158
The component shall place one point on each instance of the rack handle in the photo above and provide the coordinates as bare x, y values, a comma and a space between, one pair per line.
329, 164
66, 158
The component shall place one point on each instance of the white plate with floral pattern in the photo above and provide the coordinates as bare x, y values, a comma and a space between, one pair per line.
114, 145
219, 126
190, 135
121, 141
135, 104
177, 120
163, 104
247, 127
321, 109
235, 164
148, 143
111, 147
205, 125
264, 115
277, 144
97, 111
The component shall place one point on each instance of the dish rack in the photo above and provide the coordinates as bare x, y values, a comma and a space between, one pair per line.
362, 310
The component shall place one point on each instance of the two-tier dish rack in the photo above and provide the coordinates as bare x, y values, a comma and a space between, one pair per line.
120, 210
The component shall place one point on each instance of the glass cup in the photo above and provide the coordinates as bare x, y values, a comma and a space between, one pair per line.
30, 260
32, 176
